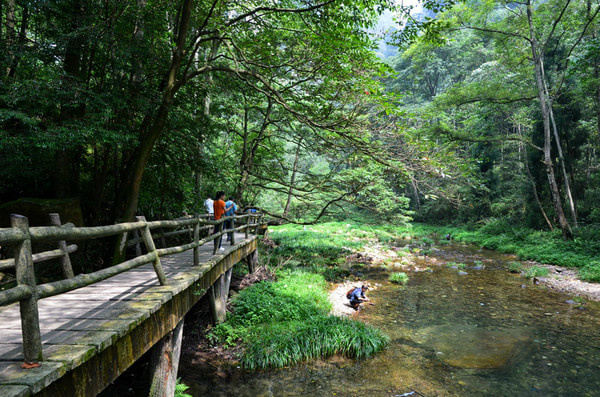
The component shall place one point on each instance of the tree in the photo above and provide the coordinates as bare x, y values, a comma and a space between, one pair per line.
540, 27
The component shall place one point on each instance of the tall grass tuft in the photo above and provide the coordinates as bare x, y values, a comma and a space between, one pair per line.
399, 278
288, 343
536, 271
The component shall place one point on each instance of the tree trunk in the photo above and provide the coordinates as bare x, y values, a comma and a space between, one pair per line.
596, 62
416, 191
250, 148
536, 195
66, 174
14, 62
563, 167
1, 24
133, 180
10, 33
292, 180
545, 104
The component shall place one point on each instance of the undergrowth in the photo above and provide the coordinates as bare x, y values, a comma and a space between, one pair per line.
323, 247
285, 322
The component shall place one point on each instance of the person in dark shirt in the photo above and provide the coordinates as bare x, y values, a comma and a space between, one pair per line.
358, 296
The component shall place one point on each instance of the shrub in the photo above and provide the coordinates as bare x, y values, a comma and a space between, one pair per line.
399, 278
591, 272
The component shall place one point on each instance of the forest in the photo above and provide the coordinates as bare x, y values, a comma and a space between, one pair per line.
483, 111
375, 135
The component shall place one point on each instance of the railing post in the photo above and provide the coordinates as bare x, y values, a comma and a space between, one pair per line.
25, 273
62, 245
258, 224
232, 235
150, 247
247, 230
196, 241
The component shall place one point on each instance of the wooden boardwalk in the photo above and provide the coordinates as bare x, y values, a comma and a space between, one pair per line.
93, 334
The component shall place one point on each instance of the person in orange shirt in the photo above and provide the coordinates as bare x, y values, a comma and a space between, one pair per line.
219, 209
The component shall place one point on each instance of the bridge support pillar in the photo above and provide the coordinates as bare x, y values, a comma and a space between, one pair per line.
165, 362
217, 295
252, 261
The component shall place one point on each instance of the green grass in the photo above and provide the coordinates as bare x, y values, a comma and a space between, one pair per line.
399, 278
591, 272
285, 322
536, 271
515, 267
286, 343
323, 247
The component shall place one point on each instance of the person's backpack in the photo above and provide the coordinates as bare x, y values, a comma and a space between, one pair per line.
349, 293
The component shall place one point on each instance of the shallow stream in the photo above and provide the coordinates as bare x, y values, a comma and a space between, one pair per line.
474, 331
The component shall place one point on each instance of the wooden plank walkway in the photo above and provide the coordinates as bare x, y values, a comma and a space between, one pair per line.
92, 334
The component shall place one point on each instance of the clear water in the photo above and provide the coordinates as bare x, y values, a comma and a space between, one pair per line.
484, 333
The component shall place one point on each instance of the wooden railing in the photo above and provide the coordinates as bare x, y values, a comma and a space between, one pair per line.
20, 236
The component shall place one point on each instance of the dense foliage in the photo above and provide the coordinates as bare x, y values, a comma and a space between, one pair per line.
150, 106
514, 89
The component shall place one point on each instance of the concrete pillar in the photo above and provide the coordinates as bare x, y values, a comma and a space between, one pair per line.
165, 363
217, 296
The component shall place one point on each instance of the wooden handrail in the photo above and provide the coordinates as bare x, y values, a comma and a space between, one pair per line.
40, 257
27, 292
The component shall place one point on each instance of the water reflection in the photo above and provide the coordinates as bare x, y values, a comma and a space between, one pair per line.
474, 331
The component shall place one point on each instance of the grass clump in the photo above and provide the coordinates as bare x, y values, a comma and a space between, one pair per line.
399, 278
536, 271
287, 343
284, 322
515, 267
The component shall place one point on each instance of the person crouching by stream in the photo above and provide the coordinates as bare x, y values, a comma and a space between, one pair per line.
357, 296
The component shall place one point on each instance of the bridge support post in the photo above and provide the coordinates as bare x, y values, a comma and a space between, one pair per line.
252, 261
217, 296
165, 362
